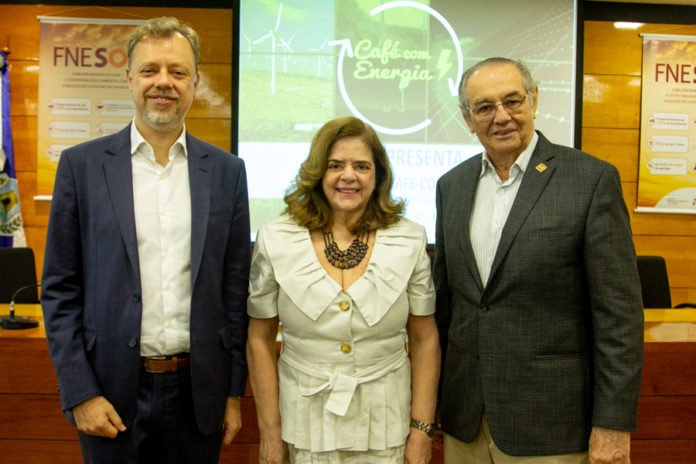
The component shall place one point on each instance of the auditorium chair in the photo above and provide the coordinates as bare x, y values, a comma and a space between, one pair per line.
655, 283
17, 269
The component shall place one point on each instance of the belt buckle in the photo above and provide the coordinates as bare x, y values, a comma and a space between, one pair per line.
162, 364
159, 365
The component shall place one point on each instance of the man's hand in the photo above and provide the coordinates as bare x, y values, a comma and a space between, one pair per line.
233, 419
97, 416
609, 446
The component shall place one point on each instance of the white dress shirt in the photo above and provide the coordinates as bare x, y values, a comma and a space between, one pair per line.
492, 206
162, 204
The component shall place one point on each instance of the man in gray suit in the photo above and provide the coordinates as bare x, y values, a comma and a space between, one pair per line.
146, 273
538, 296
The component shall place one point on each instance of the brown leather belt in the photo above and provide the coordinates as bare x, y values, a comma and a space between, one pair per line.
162, 364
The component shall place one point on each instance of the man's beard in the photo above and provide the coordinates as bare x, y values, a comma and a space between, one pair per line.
161, 121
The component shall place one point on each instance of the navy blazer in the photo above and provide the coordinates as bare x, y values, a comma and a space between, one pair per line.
552, 344
91, 287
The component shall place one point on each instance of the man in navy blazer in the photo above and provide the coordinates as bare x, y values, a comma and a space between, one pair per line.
146, 272
538, 296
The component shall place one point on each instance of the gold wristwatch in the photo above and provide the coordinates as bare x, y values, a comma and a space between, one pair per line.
429, 429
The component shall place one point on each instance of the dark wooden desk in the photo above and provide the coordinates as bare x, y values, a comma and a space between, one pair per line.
33, 429
666, 431
32, 426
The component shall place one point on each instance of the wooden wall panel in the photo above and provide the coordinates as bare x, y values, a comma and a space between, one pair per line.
24, 87
24, 140
30, 410
215, 131
38, 418
68, 452
675, 414
35, 217
23, 32
622, 53
663, 224
669, 369
611, 102
31, 212
36, 240
617, 146
43, 452
663, 451
611, 129
213, 25
683, 295
33, 417
240, 453
29, 362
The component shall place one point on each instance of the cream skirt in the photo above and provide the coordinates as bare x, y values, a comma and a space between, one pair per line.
393, 455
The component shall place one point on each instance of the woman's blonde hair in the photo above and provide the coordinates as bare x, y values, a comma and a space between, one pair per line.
305, 200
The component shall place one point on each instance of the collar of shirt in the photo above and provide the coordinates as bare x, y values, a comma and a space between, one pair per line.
520, 164
137, 141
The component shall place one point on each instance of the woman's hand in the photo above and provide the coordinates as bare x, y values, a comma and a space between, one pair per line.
424, 347
418, 448
272, 451
263, 375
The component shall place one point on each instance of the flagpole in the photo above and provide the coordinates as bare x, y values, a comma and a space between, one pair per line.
10, 215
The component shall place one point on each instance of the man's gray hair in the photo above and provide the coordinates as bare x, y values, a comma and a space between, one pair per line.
527, 81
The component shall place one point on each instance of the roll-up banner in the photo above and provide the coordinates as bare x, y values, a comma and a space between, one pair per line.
667, 163
83, 93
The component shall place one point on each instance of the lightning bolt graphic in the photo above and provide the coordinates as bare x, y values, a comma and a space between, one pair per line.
443, 64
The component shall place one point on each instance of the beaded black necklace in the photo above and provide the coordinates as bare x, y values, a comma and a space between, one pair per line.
348, 258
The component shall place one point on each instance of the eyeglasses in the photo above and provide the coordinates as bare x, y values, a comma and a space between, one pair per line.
512, 105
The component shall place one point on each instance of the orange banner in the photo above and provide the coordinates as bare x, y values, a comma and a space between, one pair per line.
667, 171
83, 93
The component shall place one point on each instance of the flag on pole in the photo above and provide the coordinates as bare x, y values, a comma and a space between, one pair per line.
11, 228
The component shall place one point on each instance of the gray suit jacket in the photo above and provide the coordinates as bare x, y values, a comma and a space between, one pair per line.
552, 344
91, 279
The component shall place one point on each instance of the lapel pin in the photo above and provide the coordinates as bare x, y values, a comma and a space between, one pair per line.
541, 167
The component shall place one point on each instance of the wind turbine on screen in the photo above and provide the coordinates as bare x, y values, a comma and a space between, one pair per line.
289, 50
320, 58
248, 41
273, 35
